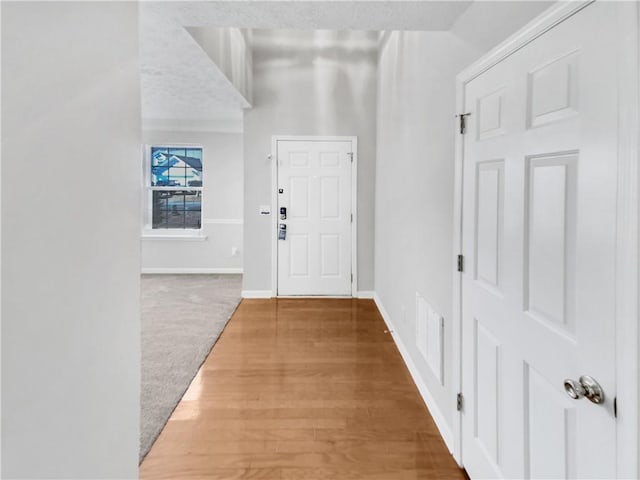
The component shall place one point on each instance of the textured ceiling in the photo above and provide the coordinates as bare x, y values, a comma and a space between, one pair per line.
179, 80
310, 15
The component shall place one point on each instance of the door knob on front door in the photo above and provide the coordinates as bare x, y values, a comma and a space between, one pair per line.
585, 387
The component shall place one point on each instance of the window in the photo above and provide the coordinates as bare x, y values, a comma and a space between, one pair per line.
175, 188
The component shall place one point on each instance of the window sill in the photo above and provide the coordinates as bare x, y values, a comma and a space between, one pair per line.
186, 237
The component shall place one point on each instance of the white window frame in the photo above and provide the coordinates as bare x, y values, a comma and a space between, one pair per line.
148, 232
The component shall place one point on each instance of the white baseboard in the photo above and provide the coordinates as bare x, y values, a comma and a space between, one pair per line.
298, 297
257, 294
180, 270
269, 294
436, 413
365, 294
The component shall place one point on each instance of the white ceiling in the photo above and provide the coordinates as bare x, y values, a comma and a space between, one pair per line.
180, 82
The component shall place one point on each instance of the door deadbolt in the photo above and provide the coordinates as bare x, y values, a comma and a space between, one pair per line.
587, 387
282, 232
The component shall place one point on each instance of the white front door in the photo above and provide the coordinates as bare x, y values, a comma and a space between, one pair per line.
314, 193
539, 235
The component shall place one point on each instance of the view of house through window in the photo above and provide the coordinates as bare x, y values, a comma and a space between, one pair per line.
176, 187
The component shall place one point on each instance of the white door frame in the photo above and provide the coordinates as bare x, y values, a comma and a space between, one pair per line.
274, 202
627, 271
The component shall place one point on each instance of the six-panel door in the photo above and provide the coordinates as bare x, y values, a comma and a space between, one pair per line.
314, 178
539, 231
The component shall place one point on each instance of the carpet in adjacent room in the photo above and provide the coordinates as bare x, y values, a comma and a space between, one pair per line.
182, 318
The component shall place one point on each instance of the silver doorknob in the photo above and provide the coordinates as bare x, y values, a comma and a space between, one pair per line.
585, 387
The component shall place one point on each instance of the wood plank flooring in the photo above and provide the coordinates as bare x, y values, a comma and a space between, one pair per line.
302, 389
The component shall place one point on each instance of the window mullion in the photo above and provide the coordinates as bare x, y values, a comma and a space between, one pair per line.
183, 165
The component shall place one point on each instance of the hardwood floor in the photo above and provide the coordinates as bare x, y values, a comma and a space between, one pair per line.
302, 389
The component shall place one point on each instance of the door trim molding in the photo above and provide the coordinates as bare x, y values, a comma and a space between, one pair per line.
627, 271
274, 202
537, 27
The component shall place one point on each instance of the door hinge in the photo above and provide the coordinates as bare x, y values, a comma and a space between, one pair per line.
352, 218
350, 156
460, 263
615, 407
352, 278
459, 400
463, 122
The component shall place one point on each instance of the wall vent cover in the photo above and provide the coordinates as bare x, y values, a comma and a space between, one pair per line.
430, 337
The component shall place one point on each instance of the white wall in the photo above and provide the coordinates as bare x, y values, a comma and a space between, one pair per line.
0, 250
414, 186
229, 49
70, 240
487, 23
308, 83
222, 209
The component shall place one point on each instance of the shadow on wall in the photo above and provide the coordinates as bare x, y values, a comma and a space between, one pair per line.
309, 83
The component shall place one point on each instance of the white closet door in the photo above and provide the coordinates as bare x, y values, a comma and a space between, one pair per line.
539, 233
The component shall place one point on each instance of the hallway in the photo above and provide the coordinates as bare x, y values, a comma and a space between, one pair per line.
302, 389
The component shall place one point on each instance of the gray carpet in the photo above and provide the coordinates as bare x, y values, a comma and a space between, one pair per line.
182, 317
